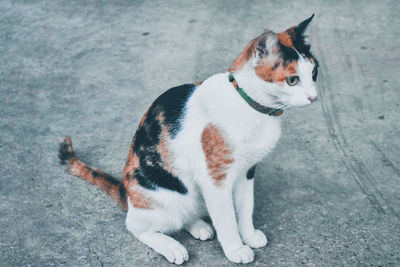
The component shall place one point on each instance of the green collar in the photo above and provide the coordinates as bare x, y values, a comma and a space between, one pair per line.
276, 112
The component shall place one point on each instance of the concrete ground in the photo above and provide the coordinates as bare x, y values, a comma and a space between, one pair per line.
327, 196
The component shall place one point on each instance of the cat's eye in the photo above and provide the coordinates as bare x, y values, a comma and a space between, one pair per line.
314, 74
292, 80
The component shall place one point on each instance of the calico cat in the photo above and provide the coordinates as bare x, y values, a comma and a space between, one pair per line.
196, 148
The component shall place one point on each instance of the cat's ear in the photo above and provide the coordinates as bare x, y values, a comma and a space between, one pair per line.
301, 28
296, 33
258, 49
265, 43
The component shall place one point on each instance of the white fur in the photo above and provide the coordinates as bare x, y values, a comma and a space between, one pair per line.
251, 136
299, 94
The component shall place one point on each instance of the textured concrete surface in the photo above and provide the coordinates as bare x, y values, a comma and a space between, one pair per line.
327, 196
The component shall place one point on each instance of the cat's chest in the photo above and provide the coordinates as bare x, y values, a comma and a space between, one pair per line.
256, 141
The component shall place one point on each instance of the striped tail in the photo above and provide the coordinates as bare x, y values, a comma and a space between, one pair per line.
104, 181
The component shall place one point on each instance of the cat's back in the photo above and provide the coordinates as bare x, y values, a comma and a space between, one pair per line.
150, 161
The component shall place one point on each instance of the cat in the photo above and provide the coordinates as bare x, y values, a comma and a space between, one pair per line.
196, 148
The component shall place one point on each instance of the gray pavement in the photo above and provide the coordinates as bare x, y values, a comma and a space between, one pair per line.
327, 196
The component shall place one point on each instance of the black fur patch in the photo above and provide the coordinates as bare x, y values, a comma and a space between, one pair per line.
172, 105
63, 153
251, 172
299, 43
315, 73
122, 193
152, 177
276, 65
112, 180
287, 54
261, 45
168, 111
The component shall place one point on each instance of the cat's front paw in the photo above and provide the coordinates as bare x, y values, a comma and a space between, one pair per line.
200, 230
175, 253
256, 240
244, 254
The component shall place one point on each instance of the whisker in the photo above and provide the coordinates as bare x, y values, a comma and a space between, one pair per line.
285, 106
290, 108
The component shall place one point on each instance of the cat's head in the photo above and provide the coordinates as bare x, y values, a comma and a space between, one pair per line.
283, 63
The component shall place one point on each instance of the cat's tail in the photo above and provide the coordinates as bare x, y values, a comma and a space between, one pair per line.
104, 181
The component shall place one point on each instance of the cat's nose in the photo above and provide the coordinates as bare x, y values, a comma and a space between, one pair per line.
312, 99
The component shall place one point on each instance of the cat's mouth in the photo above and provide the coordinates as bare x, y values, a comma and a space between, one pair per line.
302, 101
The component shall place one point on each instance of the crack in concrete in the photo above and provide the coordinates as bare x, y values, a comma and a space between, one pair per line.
386, 160
355, 167
97, 257
60, 203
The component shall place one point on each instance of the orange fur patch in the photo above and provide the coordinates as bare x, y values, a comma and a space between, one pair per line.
245, 55
79, 168
132, 164
163, 149
198, 83
143, 119
217, 152
269, 73
287, 36
160, 117
284, 39
68, 141
134, 190
138, 199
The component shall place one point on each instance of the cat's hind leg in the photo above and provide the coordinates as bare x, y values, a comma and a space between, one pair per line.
199, 229
148, 226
